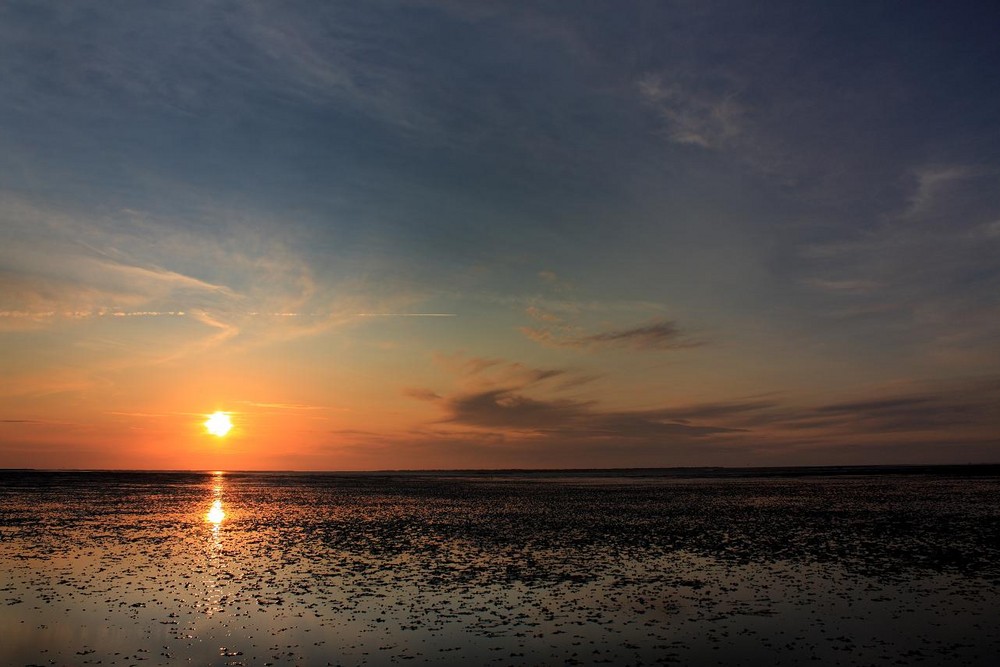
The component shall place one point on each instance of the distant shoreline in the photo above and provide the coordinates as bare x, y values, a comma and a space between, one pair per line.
966, 469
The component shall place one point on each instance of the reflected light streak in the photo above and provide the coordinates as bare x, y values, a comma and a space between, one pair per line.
216, 514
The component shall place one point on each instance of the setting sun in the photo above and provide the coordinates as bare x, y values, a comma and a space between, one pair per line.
218, 424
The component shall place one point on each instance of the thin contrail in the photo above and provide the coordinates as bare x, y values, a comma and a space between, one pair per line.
180, 313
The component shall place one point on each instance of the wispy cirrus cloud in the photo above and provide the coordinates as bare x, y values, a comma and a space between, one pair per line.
928, 270
247, 291
656, 335
421, 394
284, 406
58, 263
568, 323
933, 185
695, 114
660, 335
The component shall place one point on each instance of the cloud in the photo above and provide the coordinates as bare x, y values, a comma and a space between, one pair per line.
692, 114
284, 406
51, 382
202, 58
562, 419
925, 278
489, 373
504, 406
961, 408
844, 286
142, 415
933, 184
555, 282
548, 276
508, 410
991, 229
541, 315
159, 276
563, 324
421, 394
515, 399
719, 410
661, 335
61, 266
657, 335
319, 57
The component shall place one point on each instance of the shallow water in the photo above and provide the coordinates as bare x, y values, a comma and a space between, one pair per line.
885, 567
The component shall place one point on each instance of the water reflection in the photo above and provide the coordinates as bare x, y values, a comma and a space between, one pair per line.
446, 570
216, 514
215, 563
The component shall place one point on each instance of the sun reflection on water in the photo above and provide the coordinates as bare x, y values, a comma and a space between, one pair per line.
216, 514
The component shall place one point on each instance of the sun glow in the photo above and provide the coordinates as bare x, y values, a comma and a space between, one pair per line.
218, 424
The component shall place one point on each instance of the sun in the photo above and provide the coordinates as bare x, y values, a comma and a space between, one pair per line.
218, 424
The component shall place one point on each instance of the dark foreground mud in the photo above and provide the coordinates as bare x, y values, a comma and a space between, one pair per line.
880, 568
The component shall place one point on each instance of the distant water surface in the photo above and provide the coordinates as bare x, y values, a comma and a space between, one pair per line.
864, 566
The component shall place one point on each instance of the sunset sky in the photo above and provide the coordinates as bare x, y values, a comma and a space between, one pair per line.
459, 234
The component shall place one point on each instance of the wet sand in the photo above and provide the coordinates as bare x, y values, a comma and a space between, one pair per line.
780, 567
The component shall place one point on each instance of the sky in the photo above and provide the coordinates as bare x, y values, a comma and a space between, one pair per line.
439, 234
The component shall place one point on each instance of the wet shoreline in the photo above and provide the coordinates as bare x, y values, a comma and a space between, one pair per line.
533, 568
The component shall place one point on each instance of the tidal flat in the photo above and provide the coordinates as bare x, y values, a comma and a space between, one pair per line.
845, 566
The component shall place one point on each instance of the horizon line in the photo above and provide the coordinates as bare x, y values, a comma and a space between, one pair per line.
851, 466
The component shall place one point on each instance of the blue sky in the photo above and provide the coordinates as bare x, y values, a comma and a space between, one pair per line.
477, 234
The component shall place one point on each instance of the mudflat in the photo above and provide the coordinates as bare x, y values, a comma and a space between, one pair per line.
867, 566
